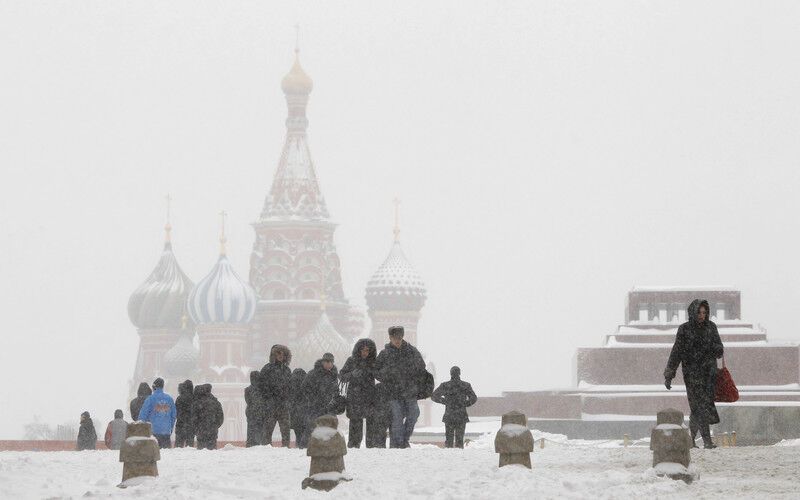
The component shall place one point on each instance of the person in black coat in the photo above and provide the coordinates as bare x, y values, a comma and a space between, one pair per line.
184, 433
276, 379
87, 436
400, 366
456, 395
381, 416
136, 403
297, 415
256, 411
358, 373
697, 348
318, 389
207, 417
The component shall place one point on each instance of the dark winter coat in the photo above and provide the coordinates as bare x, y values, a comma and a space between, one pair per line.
296, 408
183, 403
207, 415
456, 395
382, 410
141, 396
697, 347
359, 375
87, 437
402, 370
256, 409
318, 389
276, 378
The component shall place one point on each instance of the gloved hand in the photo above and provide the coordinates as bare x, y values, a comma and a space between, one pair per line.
668, 384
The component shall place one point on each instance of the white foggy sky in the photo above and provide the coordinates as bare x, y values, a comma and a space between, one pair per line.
549, 155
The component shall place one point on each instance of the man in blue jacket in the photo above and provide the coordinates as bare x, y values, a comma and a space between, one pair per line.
159, 410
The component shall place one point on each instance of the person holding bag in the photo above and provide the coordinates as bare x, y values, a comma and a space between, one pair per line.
358, 373
697, 348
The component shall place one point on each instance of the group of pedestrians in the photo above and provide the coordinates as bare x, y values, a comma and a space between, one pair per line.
379, 393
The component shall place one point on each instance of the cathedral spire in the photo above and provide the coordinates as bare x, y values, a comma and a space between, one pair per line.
295, 193
222, 238
168, 225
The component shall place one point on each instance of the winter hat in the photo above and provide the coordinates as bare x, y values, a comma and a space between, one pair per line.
327, 357
117, 413
158, 383
85, 414
455, 372
396, 331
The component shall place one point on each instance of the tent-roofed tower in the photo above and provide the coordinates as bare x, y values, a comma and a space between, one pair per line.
294, 250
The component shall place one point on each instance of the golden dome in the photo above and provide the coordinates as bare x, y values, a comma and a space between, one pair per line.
296, 80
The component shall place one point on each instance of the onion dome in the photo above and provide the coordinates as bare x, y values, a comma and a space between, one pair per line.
159, 301
296, 80
182, 358
322, 338
396, 285
222, 296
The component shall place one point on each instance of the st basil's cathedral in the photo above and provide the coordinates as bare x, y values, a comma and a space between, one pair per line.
218, 330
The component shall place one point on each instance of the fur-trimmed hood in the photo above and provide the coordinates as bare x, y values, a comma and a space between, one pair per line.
287, 354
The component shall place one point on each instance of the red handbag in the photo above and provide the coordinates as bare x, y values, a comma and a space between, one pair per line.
725, 390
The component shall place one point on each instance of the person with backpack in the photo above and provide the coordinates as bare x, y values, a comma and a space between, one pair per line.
401, 368
456, 395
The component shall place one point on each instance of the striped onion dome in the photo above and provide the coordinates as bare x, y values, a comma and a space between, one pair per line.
396, 285
322, 338
222, 297
296, 80
182, 358
159, 301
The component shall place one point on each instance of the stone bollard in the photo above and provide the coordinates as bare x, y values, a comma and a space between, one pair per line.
327, 449
139, 453
514, 442
671, 444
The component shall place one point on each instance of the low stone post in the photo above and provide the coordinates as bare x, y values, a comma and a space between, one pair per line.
139, 453
514, 442
327, 449
671, 444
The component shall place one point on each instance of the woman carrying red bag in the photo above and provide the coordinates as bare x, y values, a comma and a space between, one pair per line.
697, 347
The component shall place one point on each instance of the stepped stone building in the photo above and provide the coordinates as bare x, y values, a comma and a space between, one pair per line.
222, 328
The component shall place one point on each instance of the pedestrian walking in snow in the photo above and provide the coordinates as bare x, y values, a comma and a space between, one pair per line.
297, 414
697, 348
276, 380
136, 403
400, 366
381, 416
207, 417
116, 431
87, 437
159, 409
456, 395
184, 432
319, 387
358, 373
255, 411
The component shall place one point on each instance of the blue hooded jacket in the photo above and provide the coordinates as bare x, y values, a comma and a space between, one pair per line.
159, 410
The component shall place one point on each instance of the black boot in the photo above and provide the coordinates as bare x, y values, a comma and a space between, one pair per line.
706, 433
693, 429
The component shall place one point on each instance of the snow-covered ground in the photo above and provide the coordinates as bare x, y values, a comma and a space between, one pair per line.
563, 469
